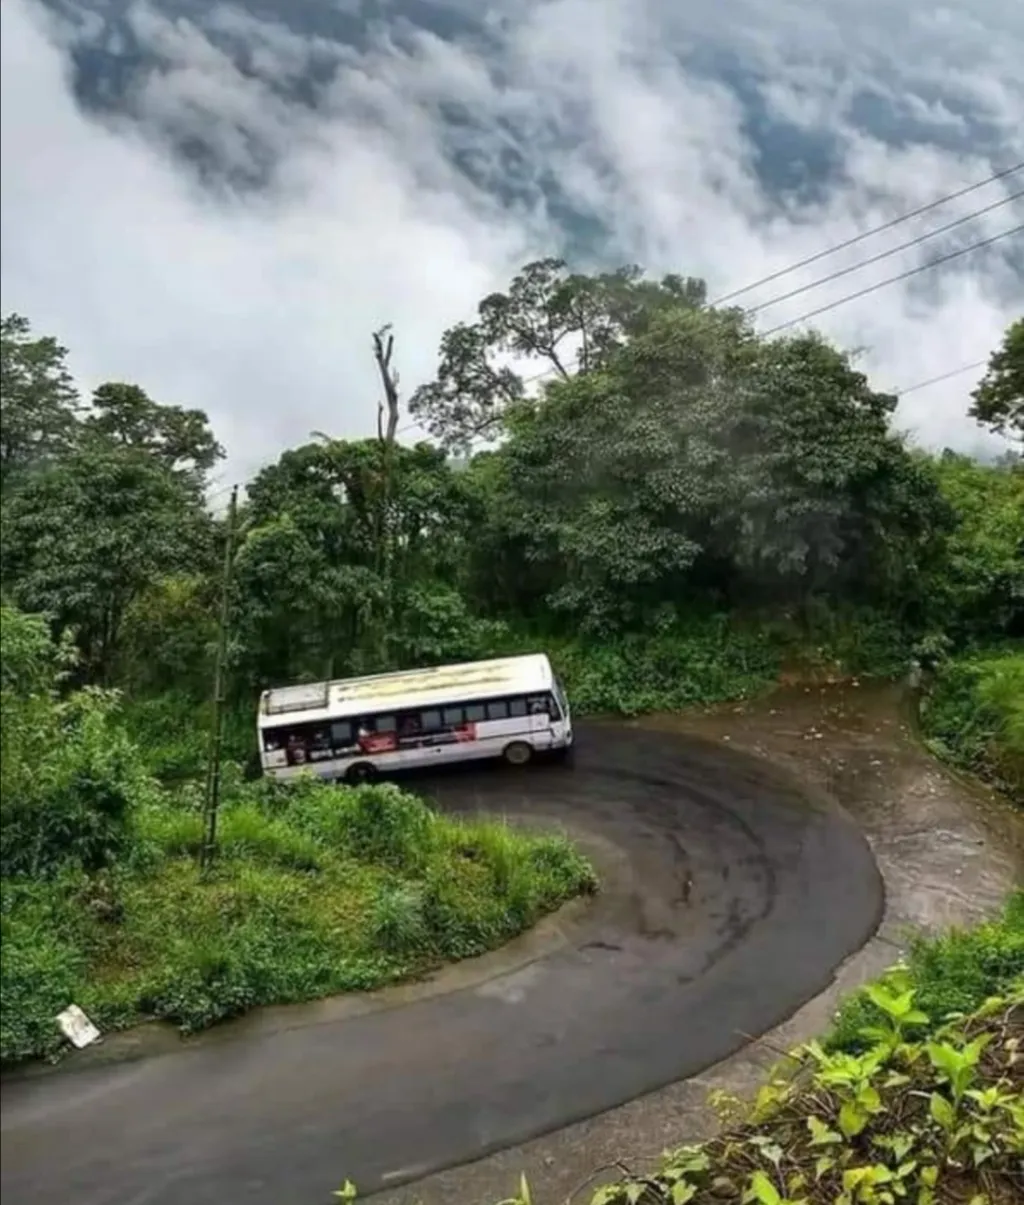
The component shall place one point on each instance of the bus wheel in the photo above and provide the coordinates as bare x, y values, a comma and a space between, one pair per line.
518, 753
362, 771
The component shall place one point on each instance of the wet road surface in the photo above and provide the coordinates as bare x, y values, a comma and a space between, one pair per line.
737, 896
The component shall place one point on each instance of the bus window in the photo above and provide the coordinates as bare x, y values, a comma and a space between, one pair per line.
517, 707
542, 705
318, 743
497, 710
452, 717
298, 755
431, 720
383, 723
476, 713
273, 739
342, 736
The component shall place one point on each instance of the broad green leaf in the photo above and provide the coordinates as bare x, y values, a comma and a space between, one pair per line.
763, 1190
941, 1110
852, 1119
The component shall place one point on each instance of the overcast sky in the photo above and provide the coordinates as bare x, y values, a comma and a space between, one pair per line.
401, 175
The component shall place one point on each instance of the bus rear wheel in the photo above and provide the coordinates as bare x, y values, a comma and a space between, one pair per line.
518, 753
362, 771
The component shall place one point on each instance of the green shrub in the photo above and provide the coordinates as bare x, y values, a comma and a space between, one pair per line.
43, 965
652, 672
173, 730
70, 779
973, 716
954, 972
932, 1123
378, 823
398, 923
316, 889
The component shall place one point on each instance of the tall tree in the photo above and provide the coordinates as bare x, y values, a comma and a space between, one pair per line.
999, 397
700, 462
978, 587
313, 589
84, 539
562, 322
39, 405
178, 439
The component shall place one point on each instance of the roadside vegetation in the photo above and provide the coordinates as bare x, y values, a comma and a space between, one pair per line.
916, 1095
316, 889
683, 511
973, 716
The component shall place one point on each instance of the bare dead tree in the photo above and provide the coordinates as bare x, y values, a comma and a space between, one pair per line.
387, 431
383, 349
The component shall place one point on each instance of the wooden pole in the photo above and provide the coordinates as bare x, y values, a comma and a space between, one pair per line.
212, 798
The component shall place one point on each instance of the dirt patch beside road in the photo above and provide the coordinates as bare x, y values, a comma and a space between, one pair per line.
949, 853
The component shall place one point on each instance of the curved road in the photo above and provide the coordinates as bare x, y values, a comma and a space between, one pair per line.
736, 897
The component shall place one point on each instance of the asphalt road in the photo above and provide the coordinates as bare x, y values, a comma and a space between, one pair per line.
740, 896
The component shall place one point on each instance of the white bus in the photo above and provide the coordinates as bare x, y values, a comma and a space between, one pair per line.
356, 728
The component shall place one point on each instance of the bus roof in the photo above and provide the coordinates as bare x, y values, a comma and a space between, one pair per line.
398, 691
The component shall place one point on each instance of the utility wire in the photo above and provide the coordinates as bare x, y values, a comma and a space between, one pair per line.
547, 372
857, 238
943, 376
874, 259
890, 280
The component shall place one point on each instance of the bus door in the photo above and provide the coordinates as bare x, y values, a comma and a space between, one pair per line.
540, 709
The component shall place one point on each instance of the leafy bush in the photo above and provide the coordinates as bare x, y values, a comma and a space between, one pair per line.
932, 1112
70, 779
173, 731
927, 1121
978, 588
664, 672
316, 889
973, 716
953, 972
43, 967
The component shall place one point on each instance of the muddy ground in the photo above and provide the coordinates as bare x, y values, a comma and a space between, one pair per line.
949, 852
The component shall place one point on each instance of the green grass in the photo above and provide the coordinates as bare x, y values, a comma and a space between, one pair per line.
710, 659
924, 1107
172, 732
317, 889
973, 716
954, 972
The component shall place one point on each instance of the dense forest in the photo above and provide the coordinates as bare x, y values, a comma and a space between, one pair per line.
678, 507
675, 506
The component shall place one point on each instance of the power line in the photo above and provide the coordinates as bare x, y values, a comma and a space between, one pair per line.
548, 372
874, 259
943, 376
857, 238
890, 280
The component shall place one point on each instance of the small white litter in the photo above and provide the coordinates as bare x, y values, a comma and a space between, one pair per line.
77, 1027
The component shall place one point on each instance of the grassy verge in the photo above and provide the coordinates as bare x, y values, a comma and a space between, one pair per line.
715, 659
916, 1096
172, 733
954, 972
318, 889
973, 716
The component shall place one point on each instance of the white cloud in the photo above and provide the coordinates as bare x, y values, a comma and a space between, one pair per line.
257, 304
